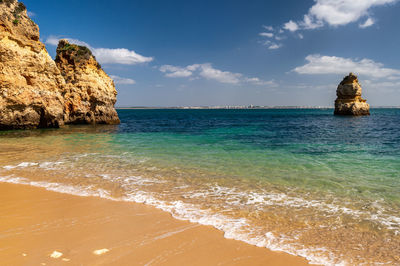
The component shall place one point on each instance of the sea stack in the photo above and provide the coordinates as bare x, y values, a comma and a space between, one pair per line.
349, 101
35, 92
89, 93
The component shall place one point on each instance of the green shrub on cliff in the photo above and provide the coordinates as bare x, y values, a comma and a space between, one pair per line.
20, 8
67, 47
77, 53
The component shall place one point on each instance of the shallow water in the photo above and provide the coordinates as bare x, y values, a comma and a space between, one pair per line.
302, 181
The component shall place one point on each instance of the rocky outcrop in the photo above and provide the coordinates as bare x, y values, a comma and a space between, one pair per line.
349, 101
34, 93
89, 93
30, 82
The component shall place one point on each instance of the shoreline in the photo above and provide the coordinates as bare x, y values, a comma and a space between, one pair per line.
244, 108
37, 223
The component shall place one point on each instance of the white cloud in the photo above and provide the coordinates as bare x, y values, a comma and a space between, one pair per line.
207, 71
274, 46
266, 34
270, 28
175, 72
124, 81
52, 40
333, 13
343, 12
31, 14
257, 81
310, 23
271, 45
318, 64
369, 22
337, 13
119, 56
291, 26
267, 42
105, 55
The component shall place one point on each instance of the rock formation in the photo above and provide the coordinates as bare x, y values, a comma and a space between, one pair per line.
34, 92
30, 82
89, 93
349, 101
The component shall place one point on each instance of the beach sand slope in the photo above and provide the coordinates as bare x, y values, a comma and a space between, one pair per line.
40, 227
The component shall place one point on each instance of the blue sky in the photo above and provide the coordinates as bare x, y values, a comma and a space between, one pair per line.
186, 53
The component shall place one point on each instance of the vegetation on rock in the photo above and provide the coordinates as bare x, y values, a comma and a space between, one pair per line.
20, 8
77, 53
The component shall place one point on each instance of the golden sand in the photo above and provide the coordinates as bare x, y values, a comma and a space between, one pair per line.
40, 227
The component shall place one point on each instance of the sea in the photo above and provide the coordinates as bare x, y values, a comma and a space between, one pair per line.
301, 181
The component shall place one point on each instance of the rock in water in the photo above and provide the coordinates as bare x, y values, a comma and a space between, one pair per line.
30, 82
89, 93
349, 101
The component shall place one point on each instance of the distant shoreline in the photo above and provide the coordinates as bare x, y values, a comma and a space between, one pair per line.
240, 107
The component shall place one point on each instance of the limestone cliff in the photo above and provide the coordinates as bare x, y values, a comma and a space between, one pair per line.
30, 82
35, 91
349, 101
89, 93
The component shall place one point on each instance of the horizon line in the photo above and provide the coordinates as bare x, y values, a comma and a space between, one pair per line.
245, 107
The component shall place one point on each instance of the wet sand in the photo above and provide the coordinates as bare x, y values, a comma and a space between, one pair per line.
40, 227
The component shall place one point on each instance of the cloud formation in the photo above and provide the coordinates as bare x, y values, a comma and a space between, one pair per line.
318, 64
369, 22
267, 34
270, 28
119, 56
274, 46
175, 72
207, 71
332, 13
123, 81
291, 26
105, 55
337, 13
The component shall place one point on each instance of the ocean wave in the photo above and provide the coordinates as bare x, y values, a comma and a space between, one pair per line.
237, 198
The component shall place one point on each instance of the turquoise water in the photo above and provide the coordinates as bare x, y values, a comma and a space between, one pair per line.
302, 180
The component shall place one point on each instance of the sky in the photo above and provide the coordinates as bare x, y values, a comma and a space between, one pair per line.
233, 52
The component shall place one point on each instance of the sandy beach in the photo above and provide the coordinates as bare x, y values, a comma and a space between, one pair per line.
40, 227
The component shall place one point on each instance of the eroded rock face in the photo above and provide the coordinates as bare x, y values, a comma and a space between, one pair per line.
89, 93
30, 82
35, 91
349, 101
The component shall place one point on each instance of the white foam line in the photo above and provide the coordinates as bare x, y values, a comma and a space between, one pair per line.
56, 187
21, 165
43, 165
235, 197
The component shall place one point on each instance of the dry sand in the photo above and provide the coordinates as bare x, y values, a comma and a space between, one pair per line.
40, 227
